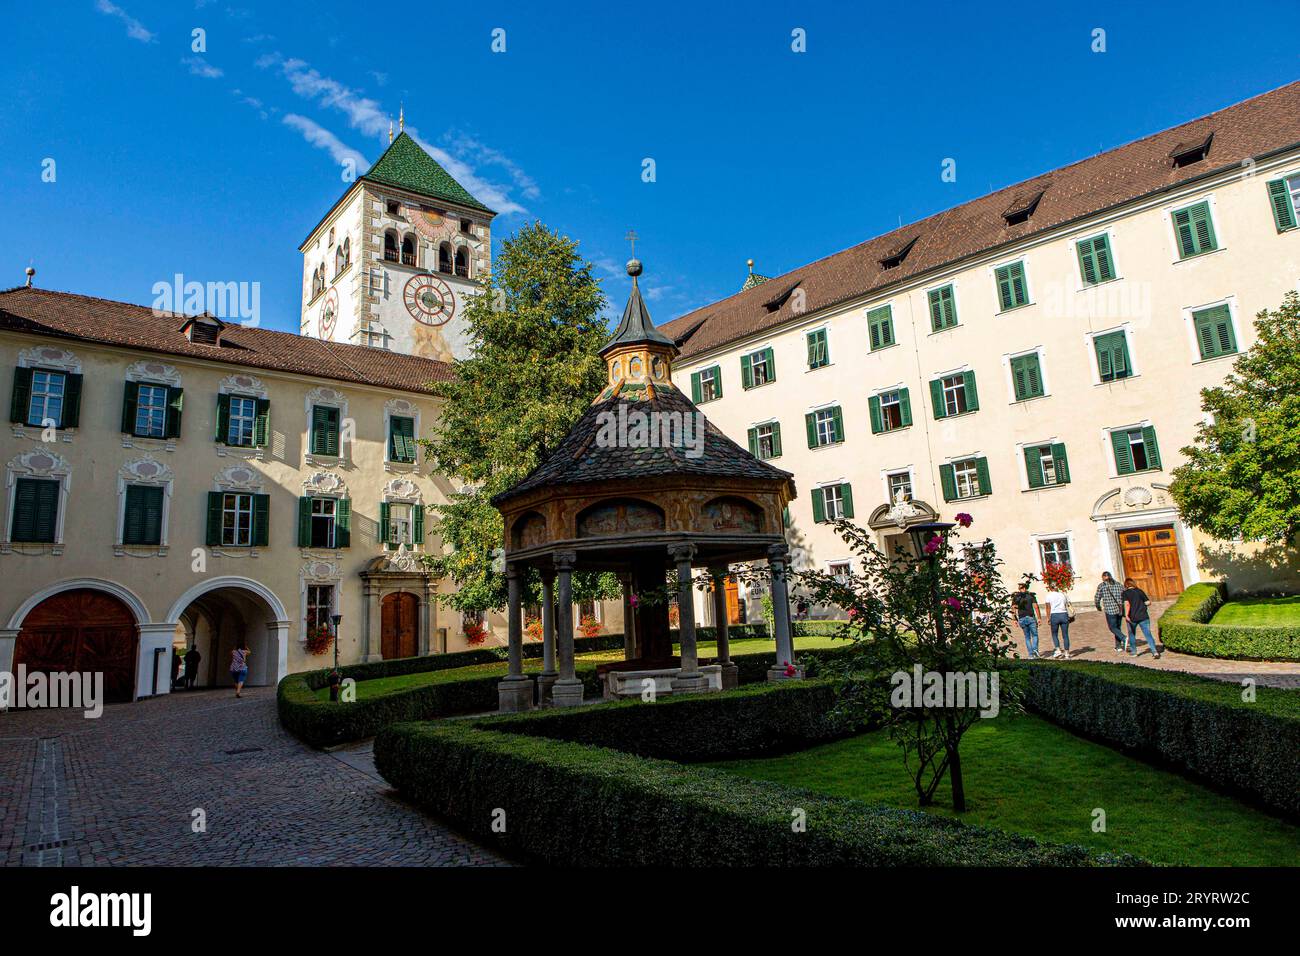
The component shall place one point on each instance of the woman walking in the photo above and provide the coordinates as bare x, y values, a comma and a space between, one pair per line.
1135, 612
239, 666
1058, 609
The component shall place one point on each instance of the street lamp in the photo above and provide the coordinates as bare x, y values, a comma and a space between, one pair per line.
335, 677
924, 532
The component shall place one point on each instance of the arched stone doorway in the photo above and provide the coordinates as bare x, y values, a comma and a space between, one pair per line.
82, 630
221, 614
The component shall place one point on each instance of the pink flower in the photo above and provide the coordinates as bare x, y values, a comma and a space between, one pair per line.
632, 600
964, 520
954, 603
933, 545
789, 669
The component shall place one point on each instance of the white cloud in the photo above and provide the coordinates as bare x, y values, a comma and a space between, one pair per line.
322, 138
201, 67
466, 144
134, 28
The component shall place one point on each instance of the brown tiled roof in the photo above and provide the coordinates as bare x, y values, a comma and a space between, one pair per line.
1260, 126
83, 318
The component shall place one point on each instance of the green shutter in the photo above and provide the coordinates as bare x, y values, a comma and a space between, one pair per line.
261, 424
880, 324
1095, 262
1012, 290
130, 403
343, 523
142, 517
949, 482
818, 351
304, 522
697, 395
846, 499
1279, 197
1112, 356
1123, 453
1026, 377
175, 403
770, 358
417, 524
1061, 464
215, 501
71, 400
837, 420
1195, 230
746, 372
753, 442
1153, 450
982, 472
717, 381
1034, 466
401, 440
810, 420
877, 423
943, 308
819, 505
383, 523
324, 430
972, 396
36, 511
936, 398
1087, 261
223, 419
776, 439
1214, 331
261, 520
904, 407
22, 396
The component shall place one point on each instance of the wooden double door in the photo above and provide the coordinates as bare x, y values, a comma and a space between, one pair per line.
399, 634
1151, 559
82, 631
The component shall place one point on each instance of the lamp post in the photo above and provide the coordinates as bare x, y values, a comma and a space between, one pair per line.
335, 677
923, 534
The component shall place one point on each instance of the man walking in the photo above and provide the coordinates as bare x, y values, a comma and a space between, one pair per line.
1110, 601
192, 658
1027, 615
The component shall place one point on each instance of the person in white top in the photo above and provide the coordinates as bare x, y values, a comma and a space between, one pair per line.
1058, 609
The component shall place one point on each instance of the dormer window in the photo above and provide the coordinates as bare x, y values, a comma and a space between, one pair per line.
899, 254
1022, 207
1184, 154
774, 305
203, 330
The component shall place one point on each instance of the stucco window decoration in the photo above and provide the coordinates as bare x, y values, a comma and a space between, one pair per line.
150, 473
54, 360
400, 408
250, 386
326, 397
324, 484
41, 465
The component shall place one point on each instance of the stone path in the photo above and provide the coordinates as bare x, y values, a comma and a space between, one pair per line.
125, 788
1090, 640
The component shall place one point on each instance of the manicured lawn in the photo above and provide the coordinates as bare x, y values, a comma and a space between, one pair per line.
1260, 612
1028, 776
388, 685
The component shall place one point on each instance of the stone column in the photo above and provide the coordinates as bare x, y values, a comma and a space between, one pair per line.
155, 637
8, 643
730, 672
776, 558
546, 680
515, 692
689, 680
568, 690
629, 618
372, 621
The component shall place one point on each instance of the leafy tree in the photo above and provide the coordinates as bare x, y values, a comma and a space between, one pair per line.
945, 611
1242, 474
534, 334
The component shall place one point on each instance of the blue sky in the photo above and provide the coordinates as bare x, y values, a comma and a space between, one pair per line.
216, 165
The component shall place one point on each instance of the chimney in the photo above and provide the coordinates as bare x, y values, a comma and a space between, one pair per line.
30, 272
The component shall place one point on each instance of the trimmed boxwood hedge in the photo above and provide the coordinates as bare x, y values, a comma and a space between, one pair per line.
1195, 724
1186, 627
572, 804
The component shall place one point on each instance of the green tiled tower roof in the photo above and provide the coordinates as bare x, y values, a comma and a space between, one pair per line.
407, 166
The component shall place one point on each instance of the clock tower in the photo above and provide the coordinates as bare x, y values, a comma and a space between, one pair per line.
394, 261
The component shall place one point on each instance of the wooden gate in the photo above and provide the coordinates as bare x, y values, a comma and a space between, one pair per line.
732, 591
1151, 559
82, 631
399, 625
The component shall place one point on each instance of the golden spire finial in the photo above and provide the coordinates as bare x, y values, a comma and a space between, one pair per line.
401, 117
390, 130
750, 263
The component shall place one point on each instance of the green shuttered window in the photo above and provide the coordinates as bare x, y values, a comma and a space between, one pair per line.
142, 516
1013, 291
832, 502
324, 430
943, 308
401, 439
819, 353
880, 327
706, 384
825, 426
1135, 450
765, 440
1282, 198
1194, 230
1047, 465
757, 368
43, 395
1112, 356
1027, 377
36, 511
1095, 261
968, 478
890, 410
1214, 332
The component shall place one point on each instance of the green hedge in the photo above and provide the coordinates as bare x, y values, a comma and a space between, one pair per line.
572, 804
748, 721
1187, 627
1195, 724
820, 628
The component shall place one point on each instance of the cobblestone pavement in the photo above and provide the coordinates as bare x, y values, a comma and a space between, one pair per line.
1090, 640
122, 789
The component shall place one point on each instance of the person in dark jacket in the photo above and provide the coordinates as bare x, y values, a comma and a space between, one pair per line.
1135, 612
1109, 599
1025, 610
192, 658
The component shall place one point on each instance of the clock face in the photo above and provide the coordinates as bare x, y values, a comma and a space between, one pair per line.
429, 300
329, 315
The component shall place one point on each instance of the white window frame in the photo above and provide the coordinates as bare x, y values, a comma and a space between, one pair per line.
23, 466
846, 563
251, 419
887, 473
329, 398
826, 500
752, 354
1109, 448
956, 304
401, 408
944, 390
1171, 232
880, 396
1036, 541
714, 372
1090, 338
770, 424
149, 473
817, 423
46, 358
974, 471
1022, 469
246, 386
403, 491
1009, 378
993, 268
1189, 329
823, 327
46, 396
1109, 233
154, 387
